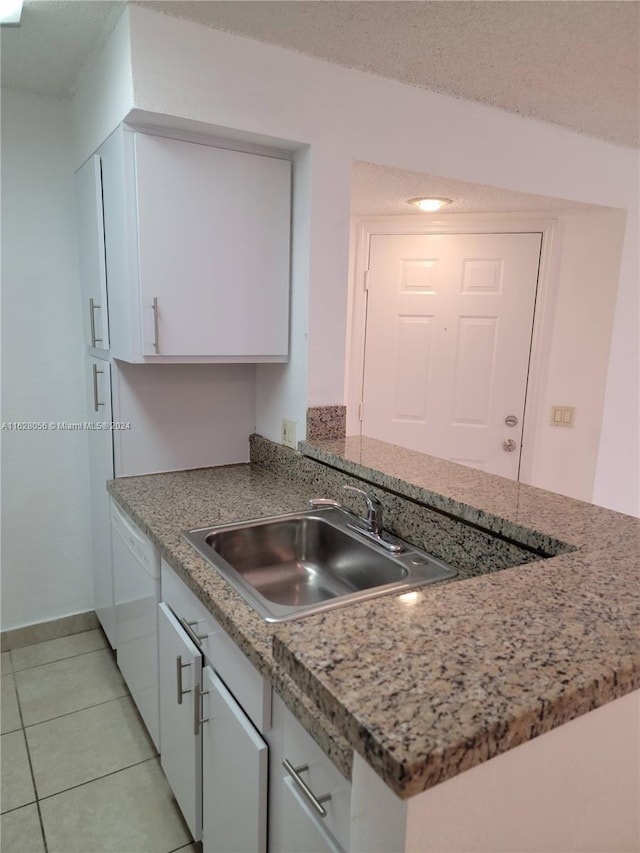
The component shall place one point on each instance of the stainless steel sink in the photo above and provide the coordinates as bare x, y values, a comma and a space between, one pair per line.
290, 566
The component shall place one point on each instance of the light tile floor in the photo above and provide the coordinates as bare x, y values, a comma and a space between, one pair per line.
79, 771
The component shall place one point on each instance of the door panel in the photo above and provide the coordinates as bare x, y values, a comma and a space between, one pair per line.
449, 323
180, 749
413, 366
98, 375
93, 277
220, 270
473, 370
235, 775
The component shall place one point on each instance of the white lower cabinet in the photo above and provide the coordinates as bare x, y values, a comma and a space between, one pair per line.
215, 708
136, 590
300, 830
98, 373
309, 799
225, 740
234, 774
180, 748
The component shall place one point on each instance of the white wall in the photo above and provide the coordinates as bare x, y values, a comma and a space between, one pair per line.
105, 95
281, 389
346, 115
182, 415
45, 522
584, 285
618, 470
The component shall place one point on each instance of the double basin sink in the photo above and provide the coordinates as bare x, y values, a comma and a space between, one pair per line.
290, 566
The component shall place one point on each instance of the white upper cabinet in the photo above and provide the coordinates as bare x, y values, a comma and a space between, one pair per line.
197, 251
93, 280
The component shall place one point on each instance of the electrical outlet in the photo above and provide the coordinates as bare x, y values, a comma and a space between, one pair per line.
289, 433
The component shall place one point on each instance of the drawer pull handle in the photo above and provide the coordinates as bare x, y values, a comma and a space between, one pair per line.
96, 402
156, 332
193, 636
198, 693
92, 321
179, 667
316, 802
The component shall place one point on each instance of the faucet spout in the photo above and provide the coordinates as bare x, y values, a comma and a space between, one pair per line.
373, 519
370, 525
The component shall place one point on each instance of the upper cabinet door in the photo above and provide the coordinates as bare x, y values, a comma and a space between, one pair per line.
93, 280
213, 232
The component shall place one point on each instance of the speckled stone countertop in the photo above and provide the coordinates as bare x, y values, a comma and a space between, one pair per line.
428, 685
431, 684
525, 514
163, 505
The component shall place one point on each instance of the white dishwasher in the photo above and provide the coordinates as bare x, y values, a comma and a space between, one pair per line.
136, 582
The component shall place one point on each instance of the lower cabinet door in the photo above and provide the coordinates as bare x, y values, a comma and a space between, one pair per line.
300, 831
234, 774
180, 741
101, 470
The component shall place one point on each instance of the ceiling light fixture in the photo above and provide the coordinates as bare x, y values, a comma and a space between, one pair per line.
430, 204
10, 12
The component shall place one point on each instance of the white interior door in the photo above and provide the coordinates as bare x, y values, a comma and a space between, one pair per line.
449, 323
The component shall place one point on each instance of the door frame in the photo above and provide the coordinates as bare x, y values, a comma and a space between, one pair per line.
362, 229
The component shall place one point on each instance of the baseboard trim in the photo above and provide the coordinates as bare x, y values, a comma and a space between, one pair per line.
42, 631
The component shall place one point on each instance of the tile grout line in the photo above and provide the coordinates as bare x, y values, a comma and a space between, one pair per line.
33, 778
97, 778
58, 660
126, 695
24, 732
23, 728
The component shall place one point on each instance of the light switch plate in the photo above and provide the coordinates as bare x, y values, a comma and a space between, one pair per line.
562, 416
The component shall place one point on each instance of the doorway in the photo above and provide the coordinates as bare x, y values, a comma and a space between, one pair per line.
442, 337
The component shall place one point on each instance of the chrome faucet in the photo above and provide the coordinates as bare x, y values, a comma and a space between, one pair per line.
373, 519
369, 525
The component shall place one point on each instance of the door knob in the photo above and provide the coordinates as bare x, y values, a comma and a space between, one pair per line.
509, 445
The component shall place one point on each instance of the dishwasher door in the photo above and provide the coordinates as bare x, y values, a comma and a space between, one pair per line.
136, 582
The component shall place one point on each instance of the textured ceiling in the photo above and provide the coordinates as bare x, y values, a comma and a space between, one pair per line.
384, 191
575, 63
572, 63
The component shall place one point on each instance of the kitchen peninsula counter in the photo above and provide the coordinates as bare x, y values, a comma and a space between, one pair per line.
425, 685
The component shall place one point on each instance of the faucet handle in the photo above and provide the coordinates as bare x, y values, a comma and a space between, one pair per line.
316, 503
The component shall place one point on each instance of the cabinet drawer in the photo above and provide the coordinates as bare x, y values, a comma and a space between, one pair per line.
321, 777
250, 689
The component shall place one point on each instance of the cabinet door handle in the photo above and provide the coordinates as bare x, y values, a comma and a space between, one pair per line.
198, 693
92, 321
180, 690
96, 403
316, 802
156, 334
193, 636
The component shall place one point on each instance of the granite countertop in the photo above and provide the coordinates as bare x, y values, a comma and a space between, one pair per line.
163, 505
427, 685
